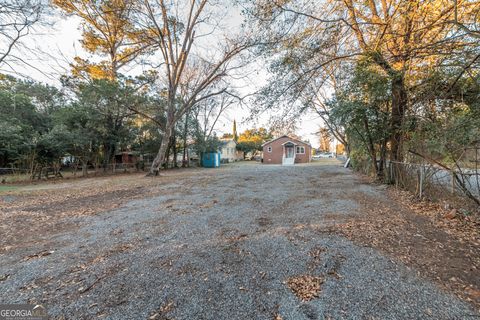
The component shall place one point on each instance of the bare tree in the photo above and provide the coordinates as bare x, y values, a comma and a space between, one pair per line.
178, 28
397, 36
17, 18
471, 12
208, 112
315, 96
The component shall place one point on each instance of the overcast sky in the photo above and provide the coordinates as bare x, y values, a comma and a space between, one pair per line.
55, 46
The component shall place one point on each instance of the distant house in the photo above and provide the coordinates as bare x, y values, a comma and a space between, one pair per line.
287, 151
126, 157
228, 151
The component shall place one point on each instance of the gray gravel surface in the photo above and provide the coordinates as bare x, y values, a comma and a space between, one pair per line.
221, 244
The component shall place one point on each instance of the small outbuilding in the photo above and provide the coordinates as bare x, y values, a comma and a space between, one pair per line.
286, 151
211, 160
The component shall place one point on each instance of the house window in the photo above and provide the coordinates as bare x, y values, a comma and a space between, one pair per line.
301, 150
269, 149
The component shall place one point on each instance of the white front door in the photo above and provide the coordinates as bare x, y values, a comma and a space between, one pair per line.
289, 156
289, 152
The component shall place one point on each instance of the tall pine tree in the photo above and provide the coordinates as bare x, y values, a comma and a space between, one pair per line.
235, 135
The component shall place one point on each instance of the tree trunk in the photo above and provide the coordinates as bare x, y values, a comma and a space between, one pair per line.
167, 155
174, 149
399, 106
106, 154
96, 164
109, 156
160, 157
382, 163
371, 146
184, 157
112, 157
347, 150
185, 132
84, 168
32, 167
75, 167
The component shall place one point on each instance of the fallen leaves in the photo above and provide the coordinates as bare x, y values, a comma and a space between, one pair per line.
236, 238
82, 290
315, 255
305, 287
208, 205
160, 314
439, 242
452, 214
316, 252
473, 293
264, 221
39, 254
41, 211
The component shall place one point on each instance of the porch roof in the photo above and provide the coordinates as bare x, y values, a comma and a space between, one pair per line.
289, 143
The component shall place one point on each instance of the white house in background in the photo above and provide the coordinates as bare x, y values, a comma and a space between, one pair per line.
228, 151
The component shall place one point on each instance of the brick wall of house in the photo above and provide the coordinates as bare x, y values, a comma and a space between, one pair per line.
275, 154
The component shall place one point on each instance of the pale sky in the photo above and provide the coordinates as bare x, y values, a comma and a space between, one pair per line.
56, 46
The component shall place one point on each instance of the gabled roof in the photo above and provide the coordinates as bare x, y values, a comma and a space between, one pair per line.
285, 136
226, 141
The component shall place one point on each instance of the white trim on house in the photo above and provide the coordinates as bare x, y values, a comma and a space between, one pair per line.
286, 160
301, 151
295, 144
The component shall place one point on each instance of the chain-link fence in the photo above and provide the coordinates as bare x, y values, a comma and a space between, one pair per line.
434, 182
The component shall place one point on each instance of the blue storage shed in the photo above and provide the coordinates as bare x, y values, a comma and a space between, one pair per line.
211, 160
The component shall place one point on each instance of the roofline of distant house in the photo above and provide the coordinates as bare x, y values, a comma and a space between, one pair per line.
225, 141
291, 142
285, 136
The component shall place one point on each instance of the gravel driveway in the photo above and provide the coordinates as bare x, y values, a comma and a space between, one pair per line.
225, 244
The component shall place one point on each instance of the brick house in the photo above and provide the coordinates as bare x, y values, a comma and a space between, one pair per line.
287, 151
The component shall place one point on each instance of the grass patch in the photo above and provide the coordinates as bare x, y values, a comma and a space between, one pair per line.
7, 188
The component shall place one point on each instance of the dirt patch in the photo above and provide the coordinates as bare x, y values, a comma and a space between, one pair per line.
423, 236
86, 204
36, 216
33, 223
197, 236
